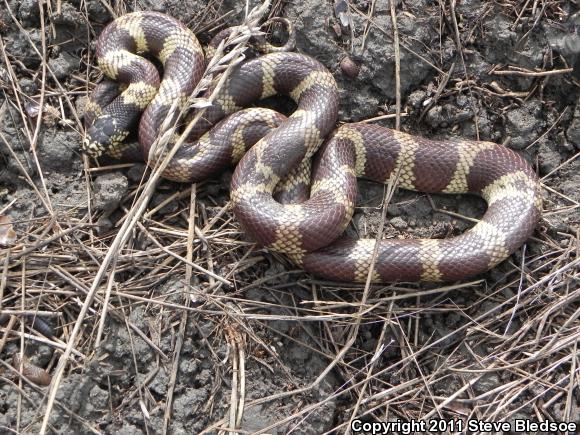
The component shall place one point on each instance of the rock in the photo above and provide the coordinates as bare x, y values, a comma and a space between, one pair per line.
444, 116
187, 405
135, 172
99, 398
63, 65
28, 86
524, 124
71, 28
500, 39
394, 210
416, 99
56, 149
29, 12
350, 67
19, 47
98, 13
256, 418
399, 223
109, 190
159, 383
69, 15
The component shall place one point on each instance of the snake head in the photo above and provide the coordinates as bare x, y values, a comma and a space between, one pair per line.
103, 136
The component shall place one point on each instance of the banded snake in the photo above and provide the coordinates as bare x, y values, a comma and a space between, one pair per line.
307, 229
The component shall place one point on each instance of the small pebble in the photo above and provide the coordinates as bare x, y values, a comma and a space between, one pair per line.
350, 67
399, 223
109, 190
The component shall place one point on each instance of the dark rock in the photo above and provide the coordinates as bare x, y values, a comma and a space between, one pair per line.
29, 12
69, 15
416, 99
500, 39
135, 172
28, 86
524, 124
63, 65
19, 47
57, 148
444, 116
97, 12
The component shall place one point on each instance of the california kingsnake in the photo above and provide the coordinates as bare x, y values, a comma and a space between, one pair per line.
305, 230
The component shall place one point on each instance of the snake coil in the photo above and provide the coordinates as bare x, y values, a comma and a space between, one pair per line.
308, 229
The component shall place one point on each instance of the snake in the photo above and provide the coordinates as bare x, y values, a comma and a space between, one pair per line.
294, 185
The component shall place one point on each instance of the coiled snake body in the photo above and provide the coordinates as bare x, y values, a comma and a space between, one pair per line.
306, 230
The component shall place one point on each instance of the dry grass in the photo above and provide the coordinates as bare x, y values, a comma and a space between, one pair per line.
483, 350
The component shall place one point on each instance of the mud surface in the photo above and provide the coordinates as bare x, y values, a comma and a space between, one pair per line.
122, 385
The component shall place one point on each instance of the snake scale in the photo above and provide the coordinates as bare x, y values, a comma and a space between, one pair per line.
308, 230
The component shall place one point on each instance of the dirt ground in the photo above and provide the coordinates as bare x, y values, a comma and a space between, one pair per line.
237, 337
